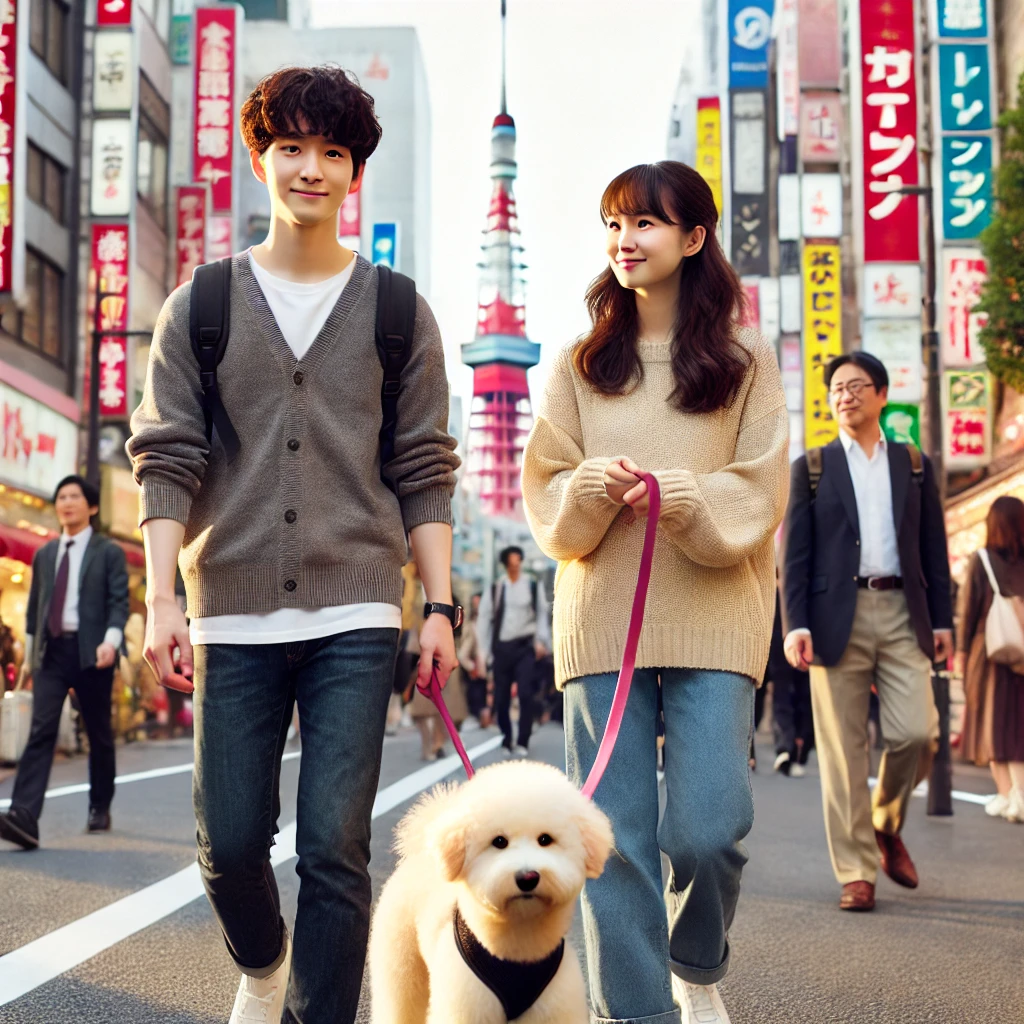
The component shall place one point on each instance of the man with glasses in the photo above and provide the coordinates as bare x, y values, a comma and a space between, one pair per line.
866, 602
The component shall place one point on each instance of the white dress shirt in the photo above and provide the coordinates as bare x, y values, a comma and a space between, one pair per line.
872, 487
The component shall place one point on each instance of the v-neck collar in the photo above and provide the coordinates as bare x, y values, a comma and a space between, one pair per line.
257, 301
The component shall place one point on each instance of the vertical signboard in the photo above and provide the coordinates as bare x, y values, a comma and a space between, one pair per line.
787, 69
818, 44
214, 94
385, 244
750, 32
749, 184
963, 19
13, 45
889, 157
822, 338
190, 231
350, 219
963, 277
967, 405
821, 206
109, 275
113, 13
898, 344
709, 145
821, 121
113, 81
113, 167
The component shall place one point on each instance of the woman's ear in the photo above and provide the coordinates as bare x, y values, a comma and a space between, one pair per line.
596, 834
696, 242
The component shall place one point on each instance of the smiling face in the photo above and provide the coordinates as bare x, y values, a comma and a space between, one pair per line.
856, 402
308, 178
645, 250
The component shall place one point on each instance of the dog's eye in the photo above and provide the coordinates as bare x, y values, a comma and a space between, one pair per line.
500, 842
544, 839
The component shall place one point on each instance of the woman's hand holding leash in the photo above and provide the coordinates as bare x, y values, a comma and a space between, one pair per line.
623, 483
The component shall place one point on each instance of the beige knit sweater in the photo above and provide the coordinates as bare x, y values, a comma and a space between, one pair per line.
724, 481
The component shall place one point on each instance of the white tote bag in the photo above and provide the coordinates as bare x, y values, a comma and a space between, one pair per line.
1004, 634
15, 723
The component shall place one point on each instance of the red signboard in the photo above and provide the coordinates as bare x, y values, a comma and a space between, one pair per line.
190, 231
818, 43
889, 126
114, 12
110, 282
213, 113
965, 275
8, 76
350, 216
751, 313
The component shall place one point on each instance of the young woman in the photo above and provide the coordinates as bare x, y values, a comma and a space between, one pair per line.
994, 714
666, 382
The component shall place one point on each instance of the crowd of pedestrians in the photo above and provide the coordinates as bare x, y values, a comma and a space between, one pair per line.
308, 504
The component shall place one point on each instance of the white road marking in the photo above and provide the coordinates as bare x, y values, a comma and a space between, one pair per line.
957, 794
44, 959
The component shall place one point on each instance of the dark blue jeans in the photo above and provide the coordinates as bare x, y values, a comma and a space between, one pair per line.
244, 698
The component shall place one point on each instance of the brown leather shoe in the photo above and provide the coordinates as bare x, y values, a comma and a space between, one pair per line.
896, 862
857, 896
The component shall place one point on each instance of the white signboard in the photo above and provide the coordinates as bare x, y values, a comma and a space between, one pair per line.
821, 206
112, 167
892, 290
769, 310
898, 344
791, 309
789, 207
40, 447
113, 81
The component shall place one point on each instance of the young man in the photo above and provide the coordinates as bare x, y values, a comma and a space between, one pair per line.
292, 552
514, 631
77, 609
866, 602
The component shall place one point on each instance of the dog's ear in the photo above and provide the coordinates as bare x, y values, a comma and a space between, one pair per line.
596, 834
450, 846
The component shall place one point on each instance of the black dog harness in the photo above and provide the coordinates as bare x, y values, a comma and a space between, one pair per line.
517, 984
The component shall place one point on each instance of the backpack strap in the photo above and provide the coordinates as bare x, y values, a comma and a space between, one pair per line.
533, 596
209, 325
396, 322
916, 463
815, 467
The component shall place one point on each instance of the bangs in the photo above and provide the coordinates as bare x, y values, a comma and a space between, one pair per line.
635, 192
306, 108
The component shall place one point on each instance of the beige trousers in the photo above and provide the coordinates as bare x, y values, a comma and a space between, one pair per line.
882, 651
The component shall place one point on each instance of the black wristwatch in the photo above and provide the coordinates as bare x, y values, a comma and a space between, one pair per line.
452, 612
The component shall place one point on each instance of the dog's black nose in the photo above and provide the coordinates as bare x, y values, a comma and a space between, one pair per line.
527, 880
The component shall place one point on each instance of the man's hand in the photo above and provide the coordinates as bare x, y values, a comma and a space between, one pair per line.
166, 630
105, 655
619, 479
943, 644
799, 650
539, 650
437, 644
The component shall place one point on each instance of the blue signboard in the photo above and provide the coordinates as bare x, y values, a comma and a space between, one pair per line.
964, 87
963, 19
750, 32
966, 185
180, 43
385, 244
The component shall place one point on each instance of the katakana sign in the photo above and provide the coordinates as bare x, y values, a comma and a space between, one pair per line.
966, 185
965, 88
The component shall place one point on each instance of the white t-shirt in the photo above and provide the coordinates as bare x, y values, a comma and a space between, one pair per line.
300, 311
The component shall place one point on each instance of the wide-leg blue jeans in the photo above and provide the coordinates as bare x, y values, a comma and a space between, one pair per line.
636, 934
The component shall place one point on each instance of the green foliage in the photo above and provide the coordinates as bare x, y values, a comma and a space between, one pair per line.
1002, 243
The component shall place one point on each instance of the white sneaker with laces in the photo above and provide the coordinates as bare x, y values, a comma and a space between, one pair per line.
262, 999
700, 1004
996, 807
1015, 806
797, 771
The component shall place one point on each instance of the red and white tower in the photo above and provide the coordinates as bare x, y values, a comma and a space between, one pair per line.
500, 354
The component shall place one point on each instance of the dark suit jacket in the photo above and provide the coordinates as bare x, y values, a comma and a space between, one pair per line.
822, 552
102, 596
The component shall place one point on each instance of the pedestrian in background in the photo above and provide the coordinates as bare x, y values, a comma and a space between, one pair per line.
474, 666
866, 602
77, 610
792, 720
665, 382
993, 731
514, 633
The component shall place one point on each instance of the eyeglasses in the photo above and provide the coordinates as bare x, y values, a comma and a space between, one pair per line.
853, 389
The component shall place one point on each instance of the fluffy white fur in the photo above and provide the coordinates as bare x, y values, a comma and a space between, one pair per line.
447, 857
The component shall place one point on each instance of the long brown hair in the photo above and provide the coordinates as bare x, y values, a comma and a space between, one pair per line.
1005, 528
708, 364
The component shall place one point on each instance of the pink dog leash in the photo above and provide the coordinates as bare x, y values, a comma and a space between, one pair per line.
636, 619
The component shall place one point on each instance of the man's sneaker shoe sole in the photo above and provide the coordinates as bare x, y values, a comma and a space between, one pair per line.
15, 834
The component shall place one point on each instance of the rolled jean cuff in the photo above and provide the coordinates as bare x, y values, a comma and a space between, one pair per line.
266, 972
700, 975
671, 1017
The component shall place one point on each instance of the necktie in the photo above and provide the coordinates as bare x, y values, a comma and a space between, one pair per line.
55, 620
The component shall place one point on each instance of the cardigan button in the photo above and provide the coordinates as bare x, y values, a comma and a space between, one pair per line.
290, 516
293, 444
298, 377
290, 585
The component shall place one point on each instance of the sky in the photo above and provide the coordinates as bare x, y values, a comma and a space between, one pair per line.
590, 85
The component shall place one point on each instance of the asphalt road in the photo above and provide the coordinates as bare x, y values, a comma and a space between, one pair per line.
953, 951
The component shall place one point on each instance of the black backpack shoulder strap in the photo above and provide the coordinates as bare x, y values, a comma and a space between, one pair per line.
533, 596
209, 326
815, 467
396, 322
916, 463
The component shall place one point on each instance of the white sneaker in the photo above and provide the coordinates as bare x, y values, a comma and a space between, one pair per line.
797, 771
701, 1004
1015, 806
996, 807
262, 999
520, 751
783, 763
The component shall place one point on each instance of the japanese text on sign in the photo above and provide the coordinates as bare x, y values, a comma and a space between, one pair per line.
8, 74
967, 185
110, 265
709, 146
964, 276
963, 18
967, 401
822, 337
889, 118
190, 234
216, 39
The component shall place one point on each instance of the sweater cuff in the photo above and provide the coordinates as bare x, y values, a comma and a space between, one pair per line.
678, 493
590, 478
433, 505
162, 499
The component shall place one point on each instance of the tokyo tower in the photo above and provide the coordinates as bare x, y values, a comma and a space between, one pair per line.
500, 354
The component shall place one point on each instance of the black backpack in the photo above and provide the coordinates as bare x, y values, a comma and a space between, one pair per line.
209, 326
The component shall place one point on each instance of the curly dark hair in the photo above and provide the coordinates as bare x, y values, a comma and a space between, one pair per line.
324, 100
